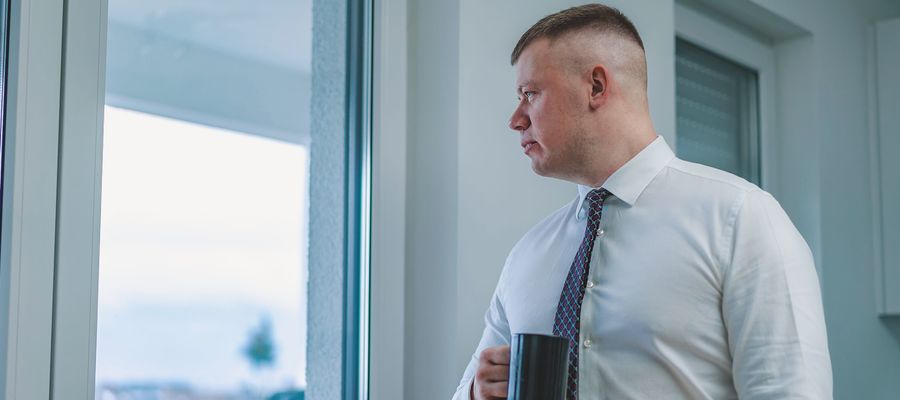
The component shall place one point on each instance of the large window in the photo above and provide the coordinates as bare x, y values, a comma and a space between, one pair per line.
717, 111
213, 242
203, 265
208, 165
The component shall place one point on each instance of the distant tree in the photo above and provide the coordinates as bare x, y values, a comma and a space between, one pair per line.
260, 348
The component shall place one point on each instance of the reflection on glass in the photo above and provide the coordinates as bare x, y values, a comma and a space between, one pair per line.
204, 201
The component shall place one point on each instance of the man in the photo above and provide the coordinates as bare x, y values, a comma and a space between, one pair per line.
671, 280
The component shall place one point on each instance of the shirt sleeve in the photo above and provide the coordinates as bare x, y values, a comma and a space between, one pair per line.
496, 333
772, 307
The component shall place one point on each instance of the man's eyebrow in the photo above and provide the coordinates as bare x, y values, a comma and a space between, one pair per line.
524, 84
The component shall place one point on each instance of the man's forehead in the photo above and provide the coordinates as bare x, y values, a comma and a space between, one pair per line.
534, 64
534, 52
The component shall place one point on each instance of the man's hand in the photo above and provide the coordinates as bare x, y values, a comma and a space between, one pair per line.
492, 376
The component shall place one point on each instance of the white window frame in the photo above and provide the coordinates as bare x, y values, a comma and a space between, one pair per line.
29, 204
78, 231
743, 47
48, 261
389, 171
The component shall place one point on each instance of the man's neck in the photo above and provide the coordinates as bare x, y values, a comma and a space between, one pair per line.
607, 164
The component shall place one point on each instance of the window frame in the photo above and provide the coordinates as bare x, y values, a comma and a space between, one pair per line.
340, 201
358, 194
30, 197
389, 171
82, 100
51, 198
49, 259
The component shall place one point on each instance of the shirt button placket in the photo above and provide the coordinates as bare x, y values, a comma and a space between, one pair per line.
587, 382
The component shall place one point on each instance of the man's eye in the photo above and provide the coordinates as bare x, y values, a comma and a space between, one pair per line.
527, 95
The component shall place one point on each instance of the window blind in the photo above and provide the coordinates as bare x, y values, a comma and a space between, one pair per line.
716, 111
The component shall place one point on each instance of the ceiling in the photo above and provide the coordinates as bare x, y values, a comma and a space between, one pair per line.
242, 65
277, 32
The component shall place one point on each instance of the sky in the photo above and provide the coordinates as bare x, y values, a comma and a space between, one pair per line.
203, 235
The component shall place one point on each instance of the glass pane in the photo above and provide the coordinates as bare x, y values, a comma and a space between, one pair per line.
716, 111
204, 203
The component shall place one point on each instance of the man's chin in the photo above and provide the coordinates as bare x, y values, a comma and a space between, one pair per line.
540, 169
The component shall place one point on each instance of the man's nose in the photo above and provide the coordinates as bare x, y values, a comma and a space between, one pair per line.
519, 121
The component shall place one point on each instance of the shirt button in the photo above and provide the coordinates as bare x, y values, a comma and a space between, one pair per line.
601, 233
588, 343
590, 284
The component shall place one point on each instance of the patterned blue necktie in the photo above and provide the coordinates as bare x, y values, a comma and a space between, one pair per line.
568, 313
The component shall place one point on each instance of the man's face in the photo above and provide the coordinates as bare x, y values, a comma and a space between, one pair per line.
548, 114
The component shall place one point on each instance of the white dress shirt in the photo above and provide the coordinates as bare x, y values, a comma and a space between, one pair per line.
699, 287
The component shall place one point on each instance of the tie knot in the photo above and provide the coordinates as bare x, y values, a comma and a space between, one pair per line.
595, 199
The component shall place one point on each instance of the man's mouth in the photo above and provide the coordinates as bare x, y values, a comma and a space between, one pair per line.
528, 145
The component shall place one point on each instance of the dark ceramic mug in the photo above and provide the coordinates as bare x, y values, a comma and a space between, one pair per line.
538, 367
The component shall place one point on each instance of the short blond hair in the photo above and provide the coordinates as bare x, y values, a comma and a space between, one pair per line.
598, 17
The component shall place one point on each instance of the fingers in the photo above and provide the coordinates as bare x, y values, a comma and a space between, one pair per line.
491, 390
492, 373
496, 355
492, 376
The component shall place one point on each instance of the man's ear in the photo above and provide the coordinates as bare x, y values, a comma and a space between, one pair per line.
599, 85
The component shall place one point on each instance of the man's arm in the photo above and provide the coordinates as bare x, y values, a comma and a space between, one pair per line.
772, 307
496, 333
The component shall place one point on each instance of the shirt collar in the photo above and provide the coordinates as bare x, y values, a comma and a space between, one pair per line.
630, 180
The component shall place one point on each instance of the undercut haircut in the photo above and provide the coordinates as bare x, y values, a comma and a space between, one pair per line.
598, 17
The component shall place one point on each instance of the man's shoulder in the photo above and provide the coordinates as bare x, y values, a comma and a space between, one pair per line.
553, 221
714, 178
543, 238
551, 226
711, 187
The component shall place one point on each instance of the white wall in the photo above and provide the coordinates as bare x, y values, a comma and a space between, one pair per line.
431, 198
865, 350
